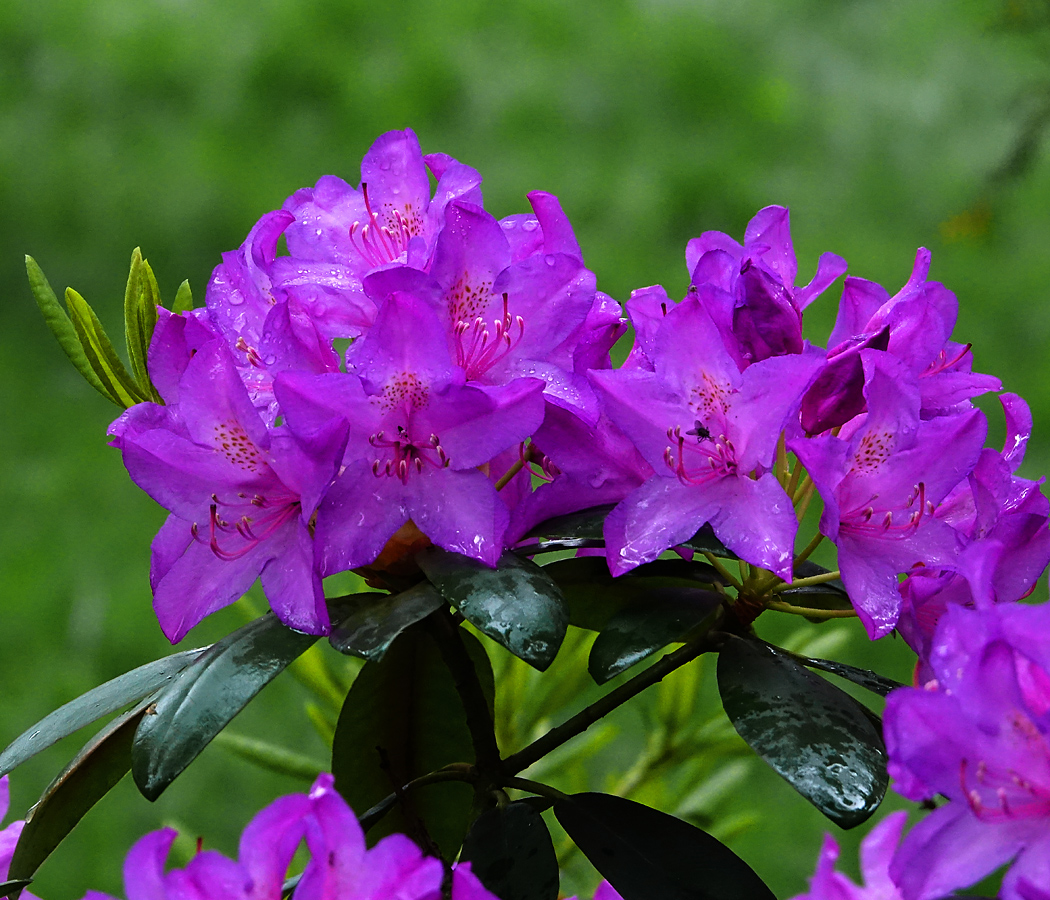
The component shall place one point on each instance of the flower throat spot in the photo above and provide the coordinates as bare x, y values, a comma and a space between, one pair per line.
232, 440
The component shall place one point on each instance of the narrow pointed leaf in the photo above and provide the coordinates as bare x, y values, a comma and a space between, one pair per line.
99, 351
569, 532
816, 736
8, 888
646, 854
62, 328
865, 678
87, 779
96, 703
511, 852
516, 604
403, 718
140, 318
376, 619
206, 695
183, 298
648, 624
271, 757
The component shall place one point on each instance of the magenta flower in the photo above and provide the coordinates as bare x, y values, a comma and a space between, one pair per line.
241, 498
979, 735
417, 437
876, 852
709, 431
881, 482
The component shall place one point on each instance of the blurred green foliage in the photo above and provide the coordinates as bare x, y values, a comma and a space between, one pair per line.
173, 124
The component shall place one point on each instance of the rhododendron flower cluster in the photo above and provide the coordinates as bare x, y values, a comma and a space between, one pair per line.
479, 362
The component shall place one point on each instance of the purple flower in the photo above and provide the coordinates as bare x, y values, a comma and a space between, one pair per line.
876, 852
417, 438
9, 835
881, 482
750, 290
979, 735
340, 866
241, 498
709, 431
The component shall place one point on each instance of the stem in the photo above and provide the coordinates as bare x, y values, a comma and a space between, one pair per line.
796, 473
519, 464
465, 677
722, 570
810, 547
811, 613
600, 708
451, 772
807, 582
781, 465
523, 784
804, 496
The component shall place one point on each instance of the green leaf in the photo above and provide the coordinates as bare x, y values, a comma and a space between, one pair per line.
100, 353
646, 854
8, 888
705, 541
829, 595
141, 298
96, 703
271, 757
651, 622
403, 718
206, 695
516, 604
813, 734
865, 678
376, 619
569, 532
183, 298
87, 779
62, 328
511, 852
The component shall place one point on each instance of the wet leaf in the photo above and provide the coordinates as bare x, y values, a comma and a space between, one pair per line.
87, 779
403, 718
93, 705
206, 695
8, 888
516, 604
865, 678
100, 353
376, 619
511, 852
646, 854
813, 734
704, 541
569, 532
647, 624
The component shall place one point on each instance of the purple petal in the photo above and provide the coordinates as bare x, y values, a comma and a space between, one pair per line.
466, 886
292, 584
772, 226
144, 865
829, 267
558, 236
270, 840
708, 241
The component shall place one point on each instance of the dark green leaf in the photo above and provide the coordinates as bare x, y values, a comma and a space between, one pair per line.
646, 854
511, 852
87, 779
100, 353
183, 298
376, 619
516, 604
62, 328
8, 888
829, 595
656, 619
403, 718
810, 732
141, 298
93, 705
206, 695
872, 681
569, 532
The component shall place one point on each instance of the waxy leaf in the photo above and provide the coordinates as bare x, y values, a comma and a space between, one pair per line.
376, 619
141, 299
93, 705
403, 718
62, 328
87, 779
206, 695
659, 617
100, 353
569, 532
516, 604
705, 541
8, 888
646, 854
865, 678
511, 852
829, 595
816, 736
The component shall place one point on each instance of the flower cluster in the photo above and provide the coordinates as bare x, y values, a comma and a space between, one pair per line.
339, 867
479, 365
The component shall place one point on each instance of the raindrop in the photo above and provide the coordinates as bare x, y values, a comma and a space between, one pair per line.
549, 259
236, 298
507, 224
530, 225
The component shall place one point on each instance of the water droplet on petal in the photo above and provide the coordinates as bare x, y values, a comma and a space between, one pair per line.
530, 225
236, 298
549, 259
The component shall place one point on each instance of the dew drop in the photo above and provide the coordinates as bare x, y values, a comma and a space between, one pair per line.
507, 224
549, 259
530, 225
236, 298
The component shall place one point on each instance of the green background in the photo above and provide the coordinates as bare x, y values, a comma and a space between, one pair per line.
174, 124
